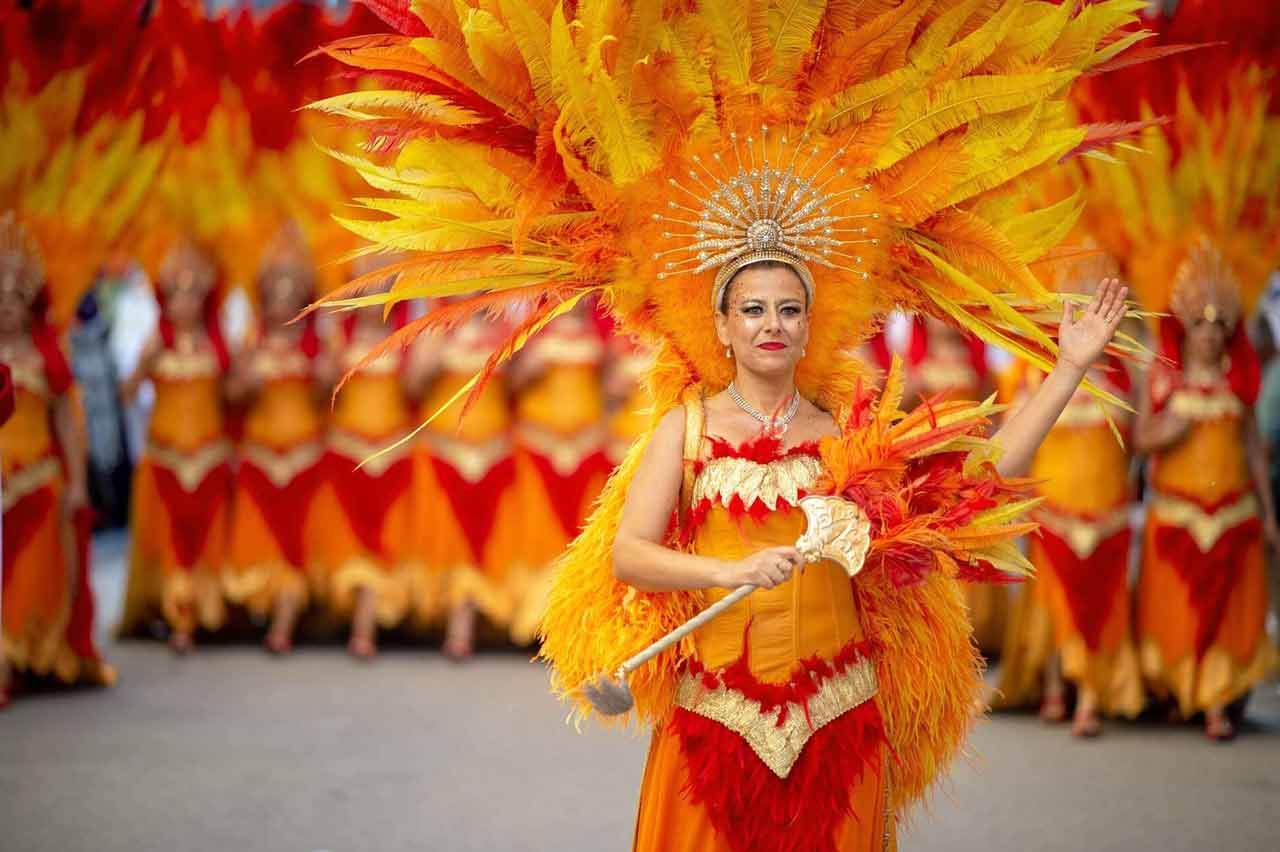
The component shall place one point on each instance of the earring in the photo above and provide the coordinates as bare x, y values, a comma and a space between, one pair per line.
728, 353
803, 350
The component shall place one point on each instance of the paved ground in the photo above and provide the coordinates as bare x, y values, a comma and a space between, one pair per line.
231, 750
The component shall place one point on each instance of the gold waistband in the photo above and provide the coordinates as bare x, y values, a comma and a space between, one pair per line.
190, 466
362, 450
565, 452
780, 746
1082, 535
779, 480
472, 461
281, 467
29, 479
1198, 405
1205, 528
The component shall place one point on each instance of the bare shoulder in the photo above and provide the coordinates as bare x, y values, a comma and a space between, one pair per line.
817, 422
670, 429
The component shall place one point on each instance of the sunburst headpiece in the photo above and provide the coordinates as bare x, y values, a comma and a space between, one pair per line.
1206, 287
21, 268
763, 212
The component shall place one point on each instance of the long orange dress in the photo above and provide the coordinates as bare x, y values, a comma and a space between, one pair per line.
561, 463
273, 530
776, 741
465, 501
181, 496
363, 513
1078, 604
960, 373
1202, 594
48, 603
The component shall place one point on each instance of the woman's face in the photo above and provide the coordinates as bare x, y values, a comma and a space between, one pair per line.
1206, 342
184, 307
282, 300
15, 312
766, 323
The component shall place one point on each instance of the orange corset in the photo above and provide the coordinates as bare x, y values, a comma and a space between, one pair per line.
1209, 463
565, 399
487, 420
372, 405
188, 409
1082, 470
284, 414
28, 436
956, 378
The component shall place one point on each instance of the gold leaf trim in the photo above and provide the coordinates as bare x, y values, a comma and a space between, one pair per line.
565, 452
29, 479
770, 482
1205, 528
779, 746
191, 466
282, 467
1197, 405
273, 366
1083, 535
29, 378
377, 456
181, 366
472, 461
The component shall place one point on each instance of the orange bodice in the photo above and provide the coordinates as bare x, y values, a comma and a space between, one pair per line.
813, 613
372, 404
489, 416
28, 436
1209, 463
1081, 466
566, 398
188, 409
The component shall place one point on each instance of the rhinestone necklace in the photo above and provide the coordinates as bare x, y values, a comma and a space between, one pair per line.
780, 423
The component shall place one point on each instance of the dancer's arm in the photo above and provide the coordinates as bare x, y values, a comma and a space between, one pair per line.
640, 559
1080, 342
129, 387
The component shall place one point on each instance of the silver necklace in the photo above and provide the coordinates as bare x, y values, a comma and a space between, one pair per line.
779, 423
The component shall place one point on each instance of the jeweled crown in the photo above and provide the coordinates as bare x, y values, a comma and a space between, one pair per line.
1206, 287
766, 212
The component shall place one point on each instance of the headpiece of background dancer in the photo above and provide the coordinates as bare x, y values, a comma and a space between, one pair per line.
1205, 287
1082, 275
21, 267
186, 268
774, 207
288, 263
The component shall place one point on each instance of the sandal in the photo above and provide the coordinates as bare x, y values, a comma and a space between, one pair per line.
1053, 709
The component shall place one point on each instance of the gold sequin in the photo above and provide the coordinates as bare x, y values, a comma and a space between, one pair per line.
779, 480
282, 467
780, 746
1082, 535
1197, 405
1205, 528
190, 466
29, 479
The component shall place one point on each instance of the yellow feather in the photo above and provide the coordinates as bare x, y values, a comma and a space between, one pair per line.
453, 61
495, 55
532, 34
731, 35
1049, 147
373, 104
1037, 231
792, 24
627, 147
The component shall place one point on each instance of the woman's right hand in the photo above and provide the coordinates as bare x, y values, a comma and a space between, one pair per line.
764, 570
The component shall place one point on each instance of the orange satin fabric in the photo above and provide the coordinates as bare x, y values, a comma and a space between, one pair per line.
186, 422
372, 407
453, 571
37, 579
284, 416
813, 613
1240, 654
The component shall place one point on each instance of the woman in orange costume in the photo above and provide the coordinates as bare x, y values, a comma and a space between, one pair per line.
469, 511
561, 459
47, 602
285, 386
1072, 619
945, 364
363, 508
182, 486
1202, 595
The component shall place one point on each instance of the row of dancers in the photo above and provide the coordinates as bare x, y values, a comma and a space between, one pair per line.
254, 492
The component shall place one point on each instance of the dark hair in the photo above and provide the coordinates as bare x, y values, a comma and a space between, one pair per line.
723, 307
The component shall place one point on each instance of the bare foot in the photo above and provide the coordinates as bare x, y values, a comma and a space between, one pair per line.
459, 640
363, 644
181, 643
1218, 727
1053, 709
280, 637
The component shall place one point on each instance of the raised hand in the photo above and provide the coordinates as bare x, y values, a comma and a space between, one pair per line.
1081, 340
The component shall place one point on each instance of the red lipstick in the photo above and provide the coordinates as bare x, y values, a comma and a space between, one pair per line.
772, 345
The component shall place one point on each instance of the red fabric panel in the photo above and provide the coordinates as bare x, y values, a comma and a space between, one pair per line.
474, 504
1092, 585
284, 509
366, 499
567, 493
79, 631
1210, 577
190, 511
21, 522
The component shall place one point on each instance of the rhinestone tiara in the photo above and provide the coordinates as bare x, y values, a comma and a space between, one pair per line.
763, 212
